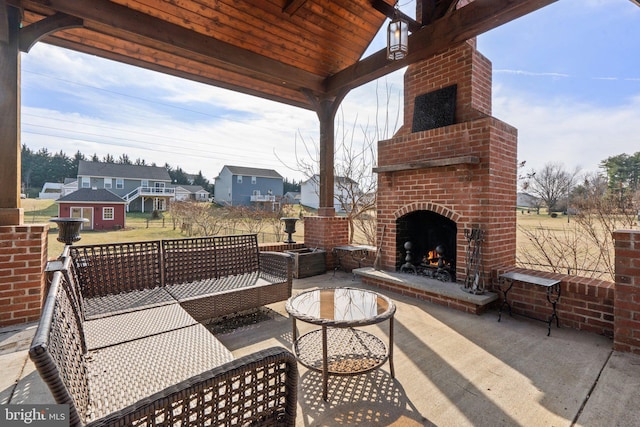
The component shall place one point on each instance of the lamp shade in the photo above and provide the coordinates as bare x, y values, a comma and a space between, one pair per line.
397, 39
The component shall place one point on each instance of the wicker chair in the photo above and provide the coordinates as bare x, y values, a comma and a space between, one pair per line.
183, 376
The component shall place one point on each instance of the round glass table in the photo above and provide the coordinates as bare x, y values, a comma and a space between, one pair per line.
338, 348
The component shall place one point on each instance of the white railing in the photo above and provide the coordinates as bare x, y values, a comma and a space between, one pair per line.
149, 191
263, 198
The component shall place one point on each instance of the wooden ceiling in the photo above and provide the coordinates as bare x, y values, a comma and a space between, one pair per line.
292, 51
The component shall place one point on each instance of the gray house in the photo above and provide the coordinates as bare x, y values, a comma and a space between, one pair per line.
143, 188
191, 193
243, 186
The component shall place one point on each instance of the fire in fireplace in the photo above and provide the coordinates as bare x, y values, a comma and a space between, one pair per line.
426, 245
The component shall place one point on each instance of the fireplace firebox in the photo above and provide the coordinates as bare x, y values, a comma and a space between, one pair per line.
432, 244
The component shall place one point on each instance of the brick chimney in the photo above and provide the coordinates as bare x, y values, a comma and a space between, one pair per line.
450, 158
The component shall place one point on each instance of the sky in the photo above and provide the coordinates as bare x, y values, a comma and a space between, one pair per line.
566, 76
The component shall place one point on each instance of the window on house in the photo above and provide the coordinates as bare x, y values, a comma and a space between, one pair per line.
86, 182
120, 183
107, 214
239, 179
145, 183
107, 183
253, 179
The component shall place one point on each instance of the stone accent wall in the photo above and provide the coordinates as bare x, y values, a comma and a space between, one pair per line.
23, 257
626, 336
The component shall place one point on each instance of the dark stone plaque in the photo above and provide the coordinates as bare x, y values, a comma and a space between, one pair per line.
434, 109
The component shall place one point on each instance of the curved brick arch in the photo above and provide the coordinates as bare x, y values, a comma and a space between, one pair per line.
427, 206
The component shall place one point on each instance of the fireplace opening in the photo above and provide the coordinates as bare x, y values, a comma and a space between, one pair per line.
426, 245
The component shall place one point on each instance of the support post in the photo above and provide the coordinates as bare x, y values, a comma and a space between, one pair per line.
11, 212
326, 110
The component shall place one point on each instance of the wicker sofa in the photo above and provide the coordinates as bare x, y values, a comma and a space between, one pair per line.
121, 354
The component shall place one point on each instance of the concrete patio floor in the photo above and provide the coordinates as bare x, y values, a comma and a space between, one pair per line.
452, 369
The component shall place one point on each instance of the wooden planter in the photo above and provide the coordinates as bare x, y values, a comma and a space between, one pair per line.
308, 262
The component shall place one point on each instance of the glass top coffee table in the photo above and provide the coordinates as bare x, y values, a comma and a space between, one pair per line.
337, 348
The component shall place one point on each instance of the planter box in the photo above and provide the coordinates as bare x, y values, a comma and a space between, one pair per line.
308, 262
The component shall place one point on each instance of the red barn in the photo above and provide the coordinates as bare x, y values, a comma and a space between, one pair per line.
104, 209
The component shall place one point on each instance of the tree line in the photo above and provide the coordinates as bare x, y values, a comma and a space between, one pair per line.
43, 166
555, 187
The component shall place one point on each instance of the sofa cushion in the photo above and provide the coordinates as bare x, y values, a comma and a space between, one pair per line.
121, 328
109, 305
123, 374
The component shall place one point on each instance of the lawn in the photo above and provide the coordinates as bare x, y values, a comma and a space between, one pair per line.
140, 226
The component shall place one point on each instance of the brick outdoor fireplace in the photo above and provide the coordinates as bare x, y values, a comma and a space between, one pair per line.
451, 168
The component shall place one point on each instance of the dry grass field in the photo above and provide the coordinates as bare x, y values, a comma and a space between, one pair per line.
140, 227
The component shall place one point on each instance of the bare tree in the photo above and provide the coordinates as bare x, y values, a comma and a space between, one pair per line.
199, 219
586, 247
551, 184
355, 157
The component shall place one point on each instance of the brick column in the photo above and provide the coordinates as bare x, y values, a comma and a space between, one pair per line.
626, 326
326, 232
23, 257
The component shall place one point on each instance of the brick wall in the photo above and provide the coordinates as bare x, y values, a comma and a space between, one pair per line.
23, 256
326, 232
627, 296
585, 304
280, 247
473, 195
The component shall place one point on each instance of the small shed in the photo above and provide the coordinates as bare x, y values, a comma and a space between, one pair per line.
104, 209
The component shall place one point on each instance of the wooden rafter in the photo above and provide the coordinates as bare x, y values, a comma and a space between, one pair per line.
391, 12
292, 6
132, 25
34, 32
462, 24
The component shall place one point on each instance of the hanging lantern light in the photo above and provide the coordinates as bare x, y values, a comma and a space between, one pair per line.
397, 39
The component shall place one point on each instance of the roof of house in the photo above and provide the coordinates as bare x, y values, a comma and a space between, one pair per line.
91, 195
245, 171
192, 188
336, 179
70, 180
117, 170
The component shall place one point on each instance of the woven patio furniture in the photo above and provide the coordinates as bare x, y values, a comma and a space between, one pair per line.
180, 376
208, 276
338, 348
217, 276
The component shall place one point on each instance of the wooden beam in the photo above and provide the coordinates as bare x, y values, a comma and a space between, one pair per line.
451, 161
34, 32
4, 22
462, 24
177, 72
292, 6
391, 12
10, 150
132, 25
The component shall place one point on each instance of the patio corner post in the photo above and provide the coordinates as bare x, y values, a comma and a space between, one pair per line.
626, 304
11, 212
326, 230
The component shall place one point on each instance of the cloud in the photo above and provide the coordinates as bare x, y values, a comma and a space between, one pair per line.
531, 73
563, 130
